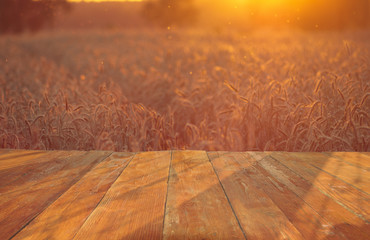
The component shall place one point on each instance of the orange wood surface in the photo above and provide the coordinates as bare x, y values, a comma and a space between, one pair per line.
357, 177
197, 207
14, 159
29, 169
351, 198
357, 159
184, 195
22, 204
66, 215
133, 207
343, 221
309, 222
6, 153
259, 216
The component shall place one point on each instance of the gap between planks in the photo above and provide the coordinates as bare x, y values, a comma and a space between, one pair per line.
81, 172
168, 182
228, 199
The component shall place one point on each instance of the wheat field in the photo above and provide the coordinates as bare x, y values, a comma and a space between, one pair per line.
159, 90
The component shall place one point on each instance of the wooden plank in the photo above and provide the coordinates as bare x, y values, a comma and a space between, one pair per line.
197, 207
4, 150
354, 158
18, 208
133, 207
63, 218
342, 220
19, 158
309, 222
265, 208
27, 169
7, 150
351, 198
357, 177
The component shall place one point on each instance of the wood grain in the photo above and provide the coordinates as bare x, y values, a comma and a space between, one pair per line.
197, 207
306, 219
354, 158
63, 218
351, 198
343, 221
133, 207
21, 206
3, 150
258, 195
15, 159
259, 211
357, 177
13, 151
23, 171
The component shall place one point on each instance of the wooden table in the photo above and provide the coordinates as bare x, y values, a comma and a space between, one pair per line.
184, 195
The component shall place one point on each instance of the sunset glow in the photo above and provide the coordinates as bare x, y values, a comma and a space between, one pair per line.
153, 75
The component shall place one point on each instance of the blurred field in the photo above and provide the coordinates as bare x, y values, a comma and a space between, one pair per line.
156, 90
